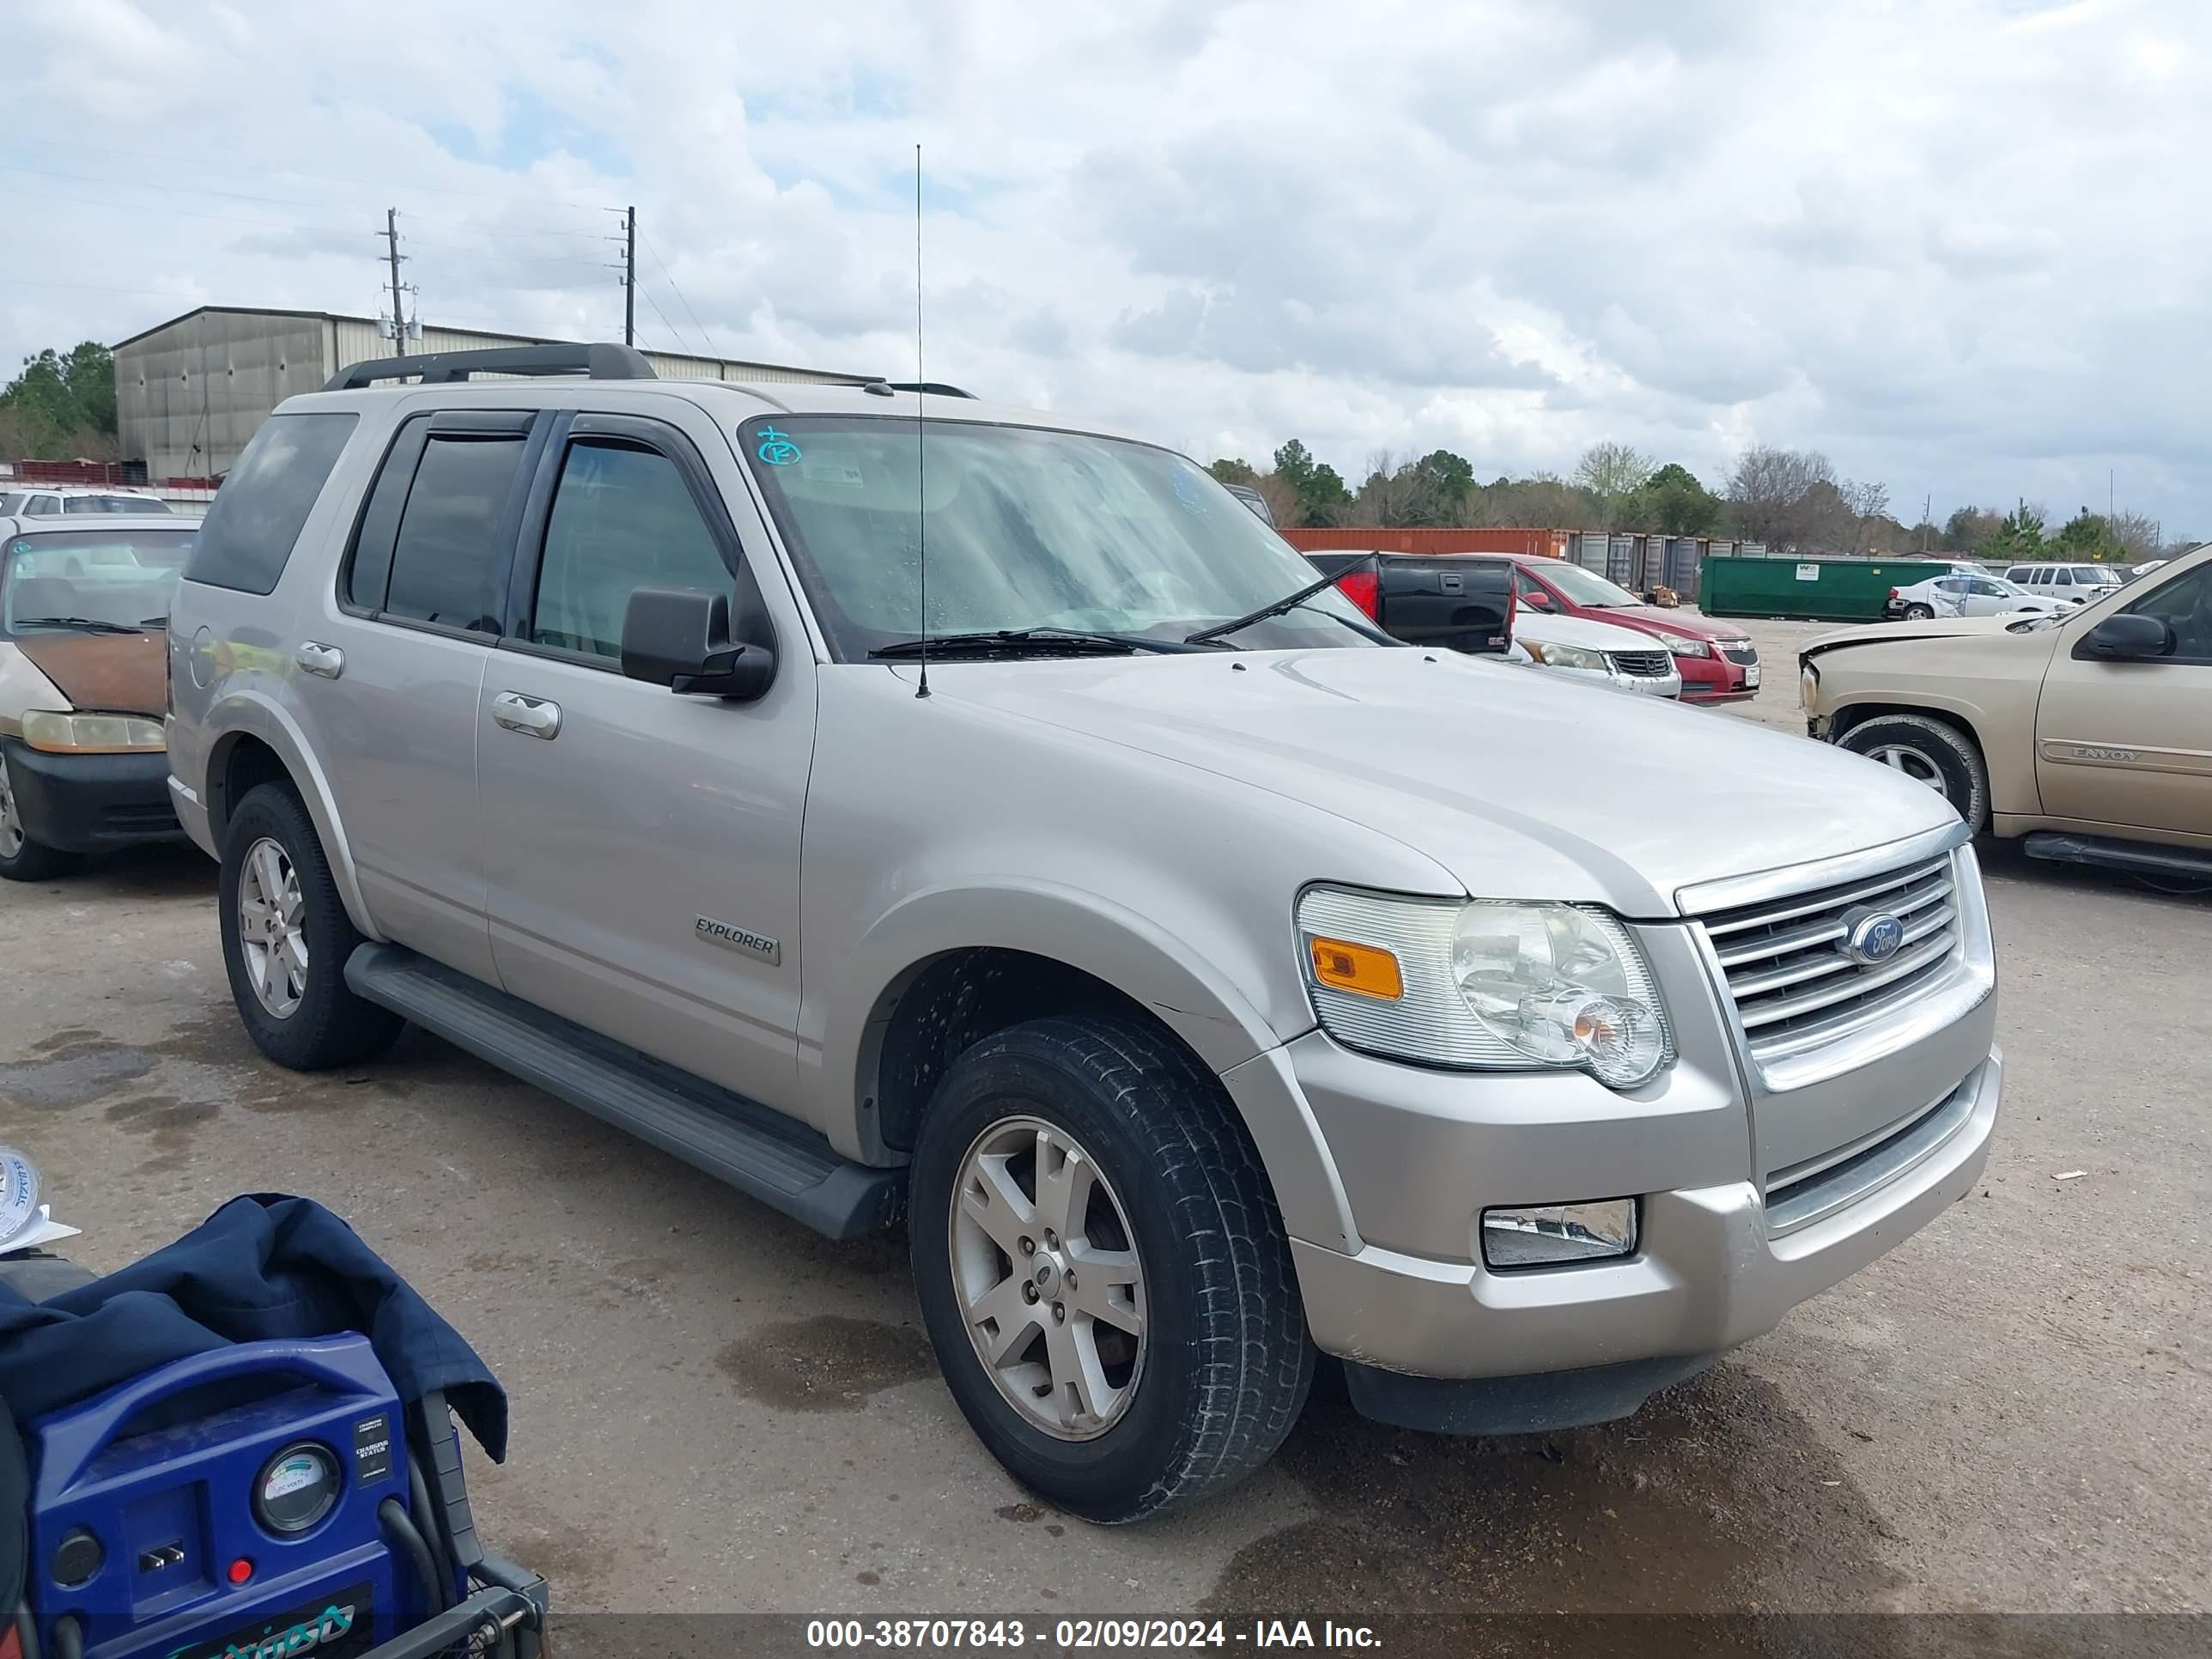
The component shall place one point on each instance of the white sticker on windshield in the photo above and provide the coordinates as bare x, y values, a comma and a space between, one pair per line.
831, 472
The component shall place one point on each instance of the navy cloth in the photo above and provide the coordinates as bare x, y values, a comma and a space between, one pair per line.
260, 1268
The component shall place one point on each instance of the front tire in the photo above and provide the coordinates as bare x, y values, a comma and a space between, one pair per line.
286, 937
23, 859
1102, 1269
1931, 752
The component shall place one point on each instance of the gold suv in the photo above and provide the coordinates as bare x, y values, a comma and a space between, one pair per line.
2089, 732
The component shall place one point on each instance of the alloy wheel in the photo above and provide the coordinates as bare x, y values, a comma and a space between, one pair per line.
1913, 763
272, 933
11, 821
1048, 1280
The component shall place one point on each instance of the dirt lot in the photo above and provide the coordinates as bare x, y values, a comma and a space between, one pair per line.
715, 1410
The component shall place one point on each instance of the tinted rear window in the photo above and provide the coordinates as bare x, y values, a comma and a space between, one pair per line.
449, 565
247, 536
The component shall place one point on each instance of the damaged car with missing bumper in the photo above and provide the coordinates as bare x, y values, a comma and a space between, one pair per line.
902, 805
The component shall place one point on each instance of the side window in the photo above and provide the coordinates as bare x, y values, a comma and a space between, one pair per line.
2184, 604
622, 518
80, 504
42, 507
2062, 578
449, 565
248, 535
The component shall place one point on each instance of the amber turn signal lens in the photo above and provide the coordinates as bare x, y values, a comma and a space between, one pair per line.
1363, 969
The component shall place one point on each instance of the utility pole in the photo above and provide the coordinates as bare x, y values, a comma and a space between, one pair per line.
399, 316
629, 276
1927, 506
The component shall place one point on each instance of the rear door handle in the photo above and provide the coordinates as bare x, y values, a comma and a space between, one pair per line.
323, 661
534, 717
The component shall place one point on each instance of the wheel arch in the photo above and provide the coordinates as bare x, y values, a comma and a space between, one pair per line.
256, 743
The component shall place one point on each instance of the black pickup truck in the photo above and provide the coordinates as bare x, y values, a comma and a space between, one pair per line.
1461, 601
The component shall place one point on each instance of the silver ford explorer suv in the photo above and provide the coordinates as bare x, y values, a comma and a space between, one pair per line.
897, 805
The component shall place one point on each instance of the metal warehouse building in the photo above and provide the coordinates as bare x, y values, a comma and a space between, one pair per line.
189, 392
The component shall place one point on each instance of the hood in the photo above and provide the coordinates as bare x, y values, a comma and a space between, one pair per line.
1578, 630
1936, 627
1643, 617
1519, 785
104, 673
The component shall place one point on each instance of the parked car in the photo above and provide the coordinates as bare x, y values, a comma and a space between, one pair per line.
1618, 658
2077, 583
1208, 979
1956, 595
81, 688
1717, 659
1461, 602
57, 500
2085, 729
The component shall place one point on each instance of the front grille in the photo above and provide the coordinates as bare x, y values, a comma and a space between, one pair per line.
1644, 664
1794, 985
1819, 1187
1746, 653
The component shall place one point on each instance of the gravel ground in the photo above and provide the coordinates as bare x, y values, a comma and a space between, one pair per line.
715, 1410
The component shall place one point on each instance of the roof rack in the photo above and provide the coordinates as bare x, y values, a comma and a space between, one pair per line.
934, 388
600, 362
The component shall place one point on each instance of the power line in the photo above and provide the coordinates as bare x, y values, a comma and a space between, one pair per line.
682, 344
680, 294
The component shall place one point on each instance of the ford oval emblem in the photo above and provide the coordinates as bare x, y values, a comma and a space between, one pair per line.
1872, 937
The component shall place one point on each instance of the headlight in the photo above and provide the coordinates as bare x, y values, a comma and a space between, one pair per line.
1566, 656
99, 734
1682, 646
1486, 985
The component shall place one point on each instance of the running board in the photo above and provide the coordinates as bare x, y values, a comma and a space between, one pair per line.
2140, 858
756, 1150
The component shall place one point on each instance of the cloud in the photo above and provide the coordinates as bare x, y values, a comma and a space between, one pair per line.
1949, 243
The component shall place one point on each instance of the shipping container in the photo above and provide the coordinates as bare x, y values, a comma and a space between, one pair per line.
1809, 590
1530, 543
1681, 573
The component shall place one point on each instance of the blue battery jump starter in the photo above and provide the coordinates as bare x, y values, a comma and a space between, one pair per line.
248, 1503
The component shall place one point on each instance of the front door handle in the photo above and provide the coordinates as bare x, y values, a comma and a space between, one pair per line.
325, 661
534, 717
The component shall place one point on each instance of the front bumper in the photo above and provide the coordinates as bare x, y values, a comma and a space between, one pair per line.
1718, 678
91, 803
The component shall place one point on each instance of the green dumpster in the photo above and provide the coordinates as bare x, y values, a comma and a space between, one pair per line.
1814, 590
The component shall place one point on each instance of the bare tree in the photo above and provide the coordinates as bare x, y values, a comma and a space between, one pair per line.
1772, 496
1612, 472
2137, 534
1869, 504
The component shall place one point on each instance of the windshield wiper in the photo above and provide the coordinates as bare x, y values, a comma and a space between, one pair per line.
92, 623
1023, 641
1288, 602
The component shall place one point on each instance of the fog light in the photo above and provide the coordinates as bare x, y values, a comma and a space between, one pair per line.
1554, 1234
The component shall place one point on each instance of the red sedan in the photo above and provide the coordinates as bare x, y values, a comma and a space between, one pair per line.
1717, 659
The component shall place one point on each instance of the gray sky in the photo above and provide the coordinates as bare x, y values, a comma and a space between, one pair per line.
1947, 242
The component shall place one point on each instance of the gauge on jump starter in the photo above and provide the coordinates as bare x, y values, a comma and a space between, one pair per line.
296, 1488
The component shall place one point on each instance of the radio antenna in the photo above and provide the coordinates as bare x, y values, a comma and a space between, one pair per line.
920, 425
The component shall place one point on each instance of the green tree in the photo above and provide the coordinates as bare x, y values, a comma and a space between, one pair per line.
1236, 472
1450, 478
1324, 498
62, 402
1674, 501
2019, 536
2085, 537
1968, 528
1294, 466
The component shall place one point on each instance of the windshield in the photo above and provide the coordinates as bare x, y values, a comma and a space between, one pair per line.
2095, 576
1026, 529
1586, 586
122, 577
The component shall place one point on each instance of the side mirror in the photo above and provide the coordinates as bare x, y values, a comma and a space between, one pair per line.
1649, 598
2132, 638
1540, 599
679, 637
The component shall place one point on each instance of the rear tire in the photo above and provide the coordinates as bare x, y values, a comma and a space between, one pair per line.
1931, 752
1184, 1206
23, 859
310, 1020
1919, 613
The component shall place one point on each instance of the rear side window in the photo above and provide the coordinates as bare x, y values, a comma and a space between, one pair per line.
448, 565
248, 535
